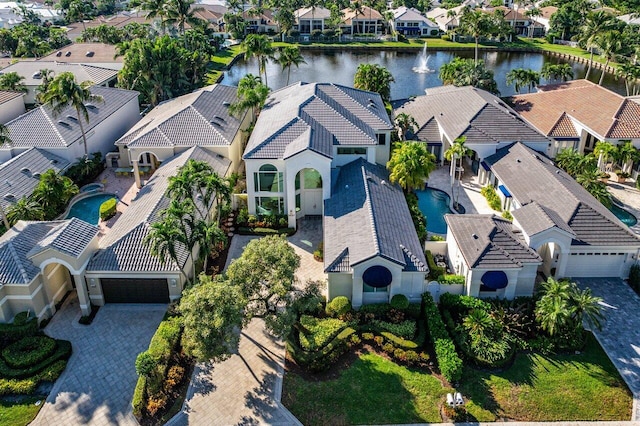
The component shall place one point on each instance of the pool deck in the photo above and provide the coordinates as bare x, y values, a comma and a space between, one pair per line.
628, 197
469, 190
124, 187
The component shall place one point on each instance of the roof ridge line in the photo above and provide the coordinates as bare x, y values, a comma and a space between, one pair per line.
55, 129
354, 125
370, 206
273, 136
16, 258
207, 122
340, 89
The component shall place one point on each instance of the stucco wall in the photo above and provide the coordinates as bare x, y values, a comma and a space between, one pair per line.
12, 109
339, 284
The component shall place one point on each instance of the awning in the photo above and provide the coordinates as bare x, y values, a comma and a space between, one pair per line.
495, 279
485, 166
377, 276
504, 190
434, 143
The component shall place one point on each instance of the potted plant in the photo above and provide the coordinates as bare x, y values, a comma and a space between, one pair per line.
622, 176
604, 177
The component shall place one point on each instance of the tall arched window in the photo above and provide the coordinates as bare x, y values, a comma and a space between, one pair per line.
268, 179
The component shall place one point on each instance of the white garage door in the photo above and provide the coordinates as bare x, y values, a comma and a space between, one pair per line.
595, 264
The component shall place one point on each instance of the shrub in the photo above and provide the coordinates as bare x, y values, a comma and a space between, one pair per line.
399, 301
395, 316
318, 254
316, 33
451, 279
17, 386
319, 332
108, 209
293, 33
156, 403
355, 340
329, 32
445, 37
28, 351
379, 310
62, 352
492, 197
406, 329
145, 364
448, 360
436, 238
412, 357
338, 306
638, 183
388, 348
399, 342
400, 354
507, 215
243, 216
413, 310
379, 340
21, 327
52, 372
367, 336
139, 397
321, 359
244, 230
174, 377
419, 219
434, 270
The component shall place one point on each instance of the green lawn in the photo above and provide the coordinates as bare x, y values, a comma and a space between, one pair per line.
222, 58
19, 414
534, 388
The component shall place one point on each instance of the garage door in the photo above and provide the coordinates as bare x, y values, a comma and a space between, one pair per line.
126, 290
595, 264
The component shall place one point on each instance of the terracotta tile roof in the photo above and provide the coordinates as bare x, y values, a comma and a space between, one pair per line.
101, 53
608, 114
563, 128
367, 13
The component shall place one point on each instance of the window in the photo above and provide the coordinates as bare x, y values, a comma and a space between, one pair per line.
352, 151
269, 205
382, 139
369, 289
298, 203
268, 179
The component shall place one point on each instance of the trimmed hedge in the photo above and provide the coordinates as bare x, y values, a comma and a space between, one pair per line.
20, 328
338, 306
489, 192
63, 351
434, 270
28, 351
244, 230
321, 359
448, 360
406, 329
139, 400
451, 279
379, 310
320, 331
18, 386
108, 209
399, 342
399, 301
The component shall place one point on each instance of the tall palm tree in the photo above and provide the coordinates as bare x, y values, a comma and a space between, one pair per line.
252, 95
405, 123
604, 151
521, 77
609, 44
64, 91
631, 74
477, 24
594, 25
357, 8
208, 235
625, 154
47, 76
156, 9
164, 240
456, 151
181, 12
290, 55
556, 72
27, 208
410, 165
259, 45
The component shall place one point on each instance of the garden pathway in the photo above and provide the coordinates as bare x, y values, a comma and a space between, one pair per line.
620, 334
97, 386
246, 388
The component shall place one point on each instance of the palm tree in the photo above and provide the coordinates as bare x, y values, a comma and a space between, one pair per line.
181, 12
260, 47
477, 322
456, 151
569, 160
625, 154
589, 178
164, 241
357, 8
631, 74
556, 72
595, 24
604, 151
12, 81
290, 55
553, 310
410, 165
47, 76
252, 94
156, 9
208, 235
405, 123
64, 91
374, 78
53, 192
4, 135
532, 14
521, 77
609, 43
477, 24
585, 306
26, 208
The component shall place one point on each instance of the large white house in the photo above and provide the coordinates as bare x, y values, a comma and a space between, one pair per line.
410, 22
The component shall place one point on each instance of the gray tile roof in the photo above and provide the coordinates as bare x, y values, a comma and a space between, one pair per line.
535, 218
200, 118
316, 116
20, 175
26, 239
367, 216
6, 95
82, 72
530, 176
488, 241
122, 248
467, 111
41, 128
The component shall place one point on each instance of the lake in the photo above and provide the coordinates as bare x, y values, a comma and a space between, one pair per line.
339, 66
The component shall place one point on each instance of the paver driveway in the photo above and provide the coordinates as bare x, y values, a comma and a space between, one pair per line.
97, 386
620, 334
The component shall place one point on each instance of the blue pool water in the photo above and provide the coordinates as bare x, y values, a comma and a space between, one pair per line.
88, 209
91, 187
434, 204
624, 216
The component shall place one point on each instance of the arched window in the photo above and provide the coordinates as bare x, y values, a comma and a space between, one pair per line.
376, 279
268, 179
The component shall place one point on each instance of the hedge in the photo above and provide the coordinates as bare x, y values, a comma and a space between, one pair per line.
244, 230
406, 329
338, 306
63, 351
492, 197
320, 331
399, 342
139, 400
379, 310
18, 387
451, 279
108, 209
20, 328
448, 360
322, 359
434, 270
28, 351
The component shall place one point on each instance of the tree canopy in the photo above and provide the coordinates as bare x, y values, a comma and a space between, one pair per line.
374, 78
410, 164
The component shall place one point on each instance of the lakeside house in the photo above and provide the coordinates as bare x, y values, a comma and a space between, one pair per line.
309, 19
409, 21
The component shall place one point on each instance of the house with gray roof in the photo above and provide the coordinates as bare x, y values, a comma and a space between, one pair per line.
31, 71
123, 270
20, 175
44, 260
304, 132
60, 134
554, 218
371, 249
201, 118
447, 113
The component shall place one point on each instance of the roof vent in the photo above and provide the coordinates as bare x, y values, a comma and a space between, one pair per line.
59, 53
37, 175
72, 118
89, 54
346, 187
8, 182
557, 172
64, 123
384, 182
518, 160
53, 161
67, 54
92, 107
37, 75
227, 104
475, 237
10, 196
215, 123
25, 170
217, 117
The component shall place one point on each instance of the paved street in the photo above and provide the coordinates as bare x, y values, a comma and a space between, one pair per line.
620, 334
97, 386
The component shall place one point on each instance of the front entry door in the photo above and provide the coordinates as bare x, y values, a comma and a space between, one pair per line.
313, 202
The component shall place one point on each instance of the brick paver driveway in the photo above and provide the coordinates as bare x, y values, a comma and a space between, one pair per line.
97, 386
620, 334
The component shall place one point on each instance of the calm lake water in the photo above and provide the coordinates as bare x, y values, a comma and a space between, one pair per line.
340, 66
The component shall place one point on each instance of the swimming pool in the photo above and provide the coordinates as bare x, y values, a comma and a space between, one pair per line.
88, 209
434, 204
91, 187
624, 216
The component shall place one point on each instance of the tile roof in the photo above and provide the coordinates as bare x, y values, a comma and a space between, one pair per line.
607, 113
535, 218
41, 128
82, 72
77, 53
467, 111
26, 239
404, 13
7, 95
564, 128
328, 114
349, 15
489, 241
200, 118
362, 195
20, 175
123, 248
530, 176
315, 13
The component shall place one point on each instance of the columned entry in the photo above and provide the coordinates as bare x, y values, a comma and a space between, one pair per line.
308, 185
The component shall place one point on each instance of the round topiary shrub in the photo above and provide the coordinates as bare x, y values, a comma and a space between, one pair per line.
399, 301
108, 209
338, 306
29, 351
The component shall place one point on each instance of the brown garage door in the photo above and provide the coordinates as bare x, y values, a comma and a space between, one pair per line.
127, 290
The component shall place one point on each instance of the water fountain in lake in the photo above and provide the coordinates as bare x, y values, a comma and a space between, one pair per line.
423, 62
